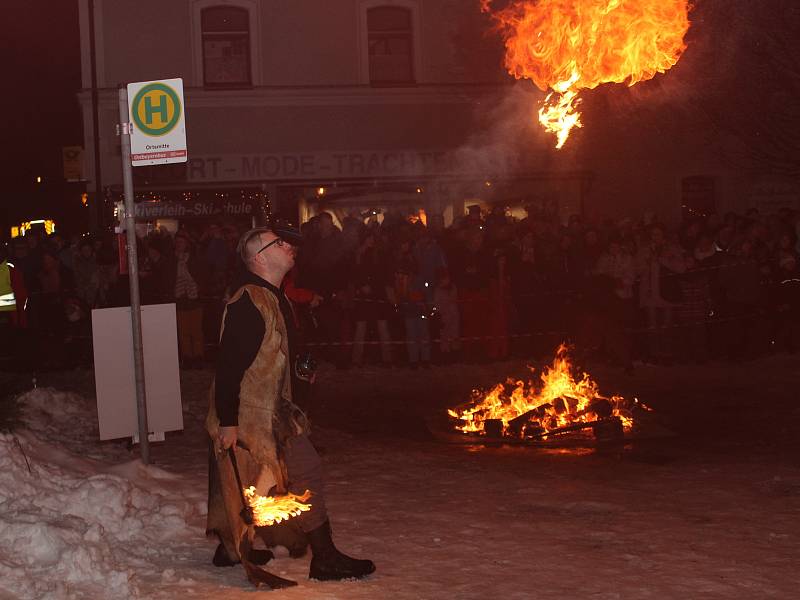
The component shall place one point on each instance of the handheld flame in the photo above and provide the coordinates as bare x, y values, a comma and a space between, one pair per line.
268, 510
569, 45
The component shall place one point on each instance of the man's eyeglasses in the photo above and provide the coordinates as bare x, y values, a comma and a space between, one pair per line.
277, 241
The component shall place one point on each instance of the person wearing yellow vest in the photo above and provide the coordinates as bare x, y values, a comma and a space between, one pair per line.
251, 411
12, 292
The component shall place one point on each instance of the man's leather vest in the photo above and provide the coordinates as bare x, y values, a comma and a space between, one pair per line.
267, 415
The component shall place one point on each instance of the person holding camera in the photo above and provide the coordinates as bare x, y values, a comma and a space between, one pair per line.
252, 411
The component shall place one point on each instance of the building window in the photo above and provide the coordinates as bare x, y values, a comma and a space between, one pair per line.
391, 46
226, 47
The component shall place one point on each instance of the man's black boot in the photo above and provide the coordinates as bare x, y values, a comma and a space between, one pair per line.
256, 556
328, 564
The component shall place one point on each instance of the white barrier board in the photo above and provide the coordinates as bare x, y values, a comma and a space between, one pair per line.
114, 374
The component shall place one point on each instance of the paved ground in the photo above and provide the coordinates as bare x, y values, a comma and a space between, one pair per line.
741, 408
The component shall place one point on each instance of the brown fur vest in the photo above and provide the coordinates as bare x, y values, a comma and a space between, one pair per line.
267, 416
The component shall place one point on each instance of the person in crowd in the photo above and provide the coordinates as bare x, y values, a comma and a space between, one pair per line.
189, 311
474, 218
786, 304
371, 306
323, 268
158, 272
13, 313
616, 266
107, 268
86, 273
566, 275
526, 282
740, 282
409, 297
13, 294
216, 259
659, 265
429, 259
53, 283
501, 306
695, 306
255, 375
471, 271
591, 250
445, 301
28, 258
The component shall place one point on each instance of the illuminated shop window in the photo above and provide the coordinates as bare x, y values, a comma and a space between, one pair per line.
391, 45
226, 47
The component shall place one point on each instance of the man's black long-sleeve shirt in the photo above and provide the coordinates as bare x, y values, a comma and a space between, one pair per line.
241, 339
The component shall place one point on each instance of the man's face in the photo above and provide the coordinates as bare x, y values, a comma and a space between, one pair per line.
275, 252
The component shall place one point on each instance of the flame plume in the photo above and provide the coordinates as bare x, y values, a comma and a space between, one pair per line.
569, 45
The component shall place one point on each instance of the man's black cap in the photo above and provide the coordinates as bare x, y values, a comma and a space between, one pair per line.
288, 233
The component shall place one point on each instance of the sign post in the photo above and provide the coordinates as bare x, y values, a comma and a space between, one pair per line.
152, 131
157, 120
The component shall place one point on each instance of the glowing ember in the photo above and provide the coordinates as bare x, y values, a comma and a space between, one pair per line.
268, 510
561, 401
569, 45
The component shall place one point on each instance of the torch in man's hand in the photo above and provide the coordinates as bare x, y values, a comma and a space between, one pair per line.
247, 510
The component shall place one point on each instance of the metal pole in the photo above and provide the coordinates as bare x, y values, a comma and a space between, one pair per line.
98, 201
133, 273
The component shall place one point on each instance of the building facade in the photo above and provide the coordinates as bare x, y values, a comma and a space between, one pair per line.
356, 106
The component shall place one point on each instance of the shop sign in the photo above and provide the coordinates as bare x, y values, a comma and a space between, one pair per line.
72, 159
187, 210
289, 166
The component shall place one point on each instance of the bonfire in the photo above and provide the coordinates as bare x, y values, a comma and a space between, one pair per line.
559, 402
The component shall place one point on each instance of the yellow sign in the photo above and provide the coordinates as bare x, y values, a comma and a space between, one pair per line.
156, 109
72, 157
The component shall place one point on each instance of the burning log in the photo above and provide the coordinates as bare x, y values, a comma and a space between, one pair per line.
493, 428
608, 430
566, 404
516, 425
599, 406
565, 429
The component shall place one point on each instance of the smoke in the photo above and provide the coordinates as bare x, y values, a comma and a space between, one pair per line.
506, 139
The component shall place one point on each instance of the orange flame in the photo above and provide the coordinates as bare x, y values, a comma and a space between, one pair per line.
569, 45
268, 510
562, 400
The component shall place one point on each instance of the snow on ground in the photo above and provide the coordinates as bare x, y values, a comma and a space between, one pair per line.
81, 518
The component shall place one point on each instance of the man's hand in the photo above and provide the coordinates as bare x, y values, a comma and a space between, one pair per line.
227, 437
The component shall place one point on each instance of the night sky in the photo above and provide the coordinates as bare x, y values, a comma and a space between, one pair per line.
42, 74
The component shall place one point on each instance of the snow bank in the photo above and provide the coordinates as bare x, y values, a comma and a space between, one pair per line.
676, 519
72, 527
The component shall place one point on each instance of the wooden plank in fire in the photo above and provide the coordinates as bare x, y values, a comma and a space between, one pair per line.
565, 429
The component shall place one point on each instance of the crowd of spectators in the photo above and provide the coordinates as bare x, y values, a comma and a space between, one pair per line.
486, 288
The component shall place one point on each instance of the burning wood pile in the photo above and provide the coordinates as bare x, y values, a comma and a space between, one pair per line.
560, 405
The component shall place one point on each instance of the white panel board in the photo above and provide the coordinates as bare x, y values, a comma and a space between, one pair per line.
114, 374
